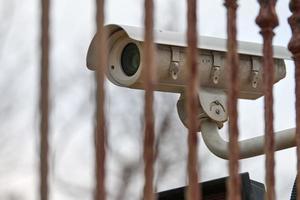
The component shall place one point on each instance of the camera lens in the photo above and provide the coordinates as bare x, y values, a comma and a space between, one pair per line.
130, 59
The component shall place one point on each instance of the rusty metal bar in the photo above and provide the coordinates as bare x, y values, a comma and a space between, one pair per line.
267, 20
149, 76
193, 192
294, 47
100, 128
44, 100
233, 74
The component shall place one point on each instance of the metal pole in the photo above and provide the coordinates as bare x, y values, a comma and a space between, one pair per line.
149, 77
44, 100
232, 65
193, 192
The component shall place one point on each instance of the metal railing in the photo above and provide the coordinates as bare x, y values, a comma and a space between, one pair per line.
267, 20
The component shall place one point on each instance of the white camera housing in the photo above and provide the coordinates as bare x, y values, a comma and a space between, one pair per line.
171, 61
171, 67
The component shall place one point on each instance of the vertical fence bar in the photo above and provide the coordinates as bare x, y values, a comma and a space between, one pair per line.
100, 132
233, 75
294, 47
267, 20
149, 76
44, 100
192, 100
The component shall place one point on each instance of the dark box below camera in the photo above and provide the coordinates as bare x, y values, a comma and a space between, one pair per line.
216, 190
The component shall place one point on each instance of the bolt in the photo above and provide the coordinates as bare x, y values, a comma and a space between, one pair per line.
217, 102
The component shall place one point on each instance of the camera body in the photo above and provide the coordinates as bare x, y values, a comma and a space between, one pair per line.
125, 67
171, 61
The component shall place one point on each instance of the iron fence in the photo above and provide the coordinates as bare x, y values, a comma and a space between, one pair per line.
267, 20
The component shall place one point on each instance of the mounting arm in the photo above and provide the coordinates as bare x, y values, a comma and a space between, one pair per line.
249, 147
212, 113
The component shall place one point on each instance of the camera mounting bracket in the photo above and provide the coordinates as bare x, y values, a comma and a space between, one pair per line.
211, 105
213, 102
211, 113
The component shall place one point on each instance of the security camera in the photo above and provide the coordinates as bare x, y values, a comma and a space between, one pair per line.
125, 63
125, 67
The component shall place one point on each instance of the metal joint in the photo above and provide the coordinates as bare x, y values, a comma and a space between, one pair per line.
255, 71
175, 59
213, 102
215, 71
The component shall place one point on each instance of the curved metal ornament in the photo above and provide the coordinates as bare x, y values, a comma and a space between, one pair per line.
267, 20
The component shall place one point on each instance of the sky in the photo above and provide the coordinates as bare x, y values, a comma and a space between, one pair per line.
72, 86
